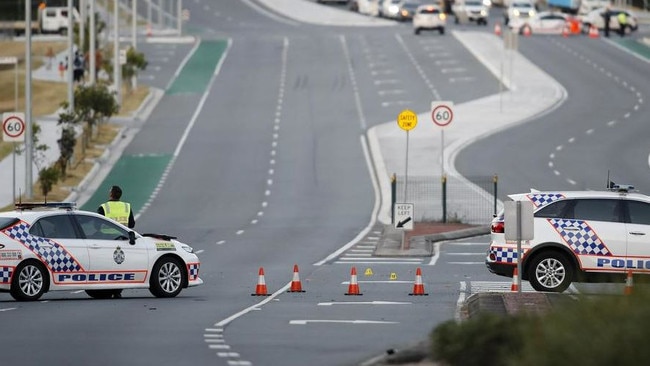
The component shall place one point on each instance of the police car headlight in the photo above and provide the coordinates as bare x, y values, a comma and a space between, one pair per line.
187, 248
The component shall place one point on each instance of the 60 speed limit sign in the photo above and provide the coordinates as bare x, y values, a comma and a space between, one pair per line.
442, 113
13, 127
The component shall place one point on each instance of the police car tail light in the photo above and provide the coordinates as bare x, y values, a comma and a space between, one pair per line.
498, 227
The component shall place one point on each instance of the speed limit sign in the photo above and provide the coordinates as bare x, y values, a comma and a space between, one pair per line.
442, 113
13, 127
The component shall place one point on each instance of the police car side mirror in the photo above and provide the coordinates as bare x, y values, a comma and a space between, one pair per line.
132, 237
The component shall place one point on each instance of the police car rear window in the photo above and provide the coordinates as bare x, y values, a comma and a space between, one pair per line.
5, 222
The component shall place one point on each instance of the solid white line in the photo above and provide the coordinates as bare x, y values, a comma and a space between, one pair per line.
8, 309
394, 281
304, 322
364, 303
397, 261
182, 64
382, 258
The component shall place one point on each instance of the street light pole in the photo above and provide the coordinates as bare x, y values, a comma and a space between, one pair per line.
92, 34
28, 99
116, 56
70, 59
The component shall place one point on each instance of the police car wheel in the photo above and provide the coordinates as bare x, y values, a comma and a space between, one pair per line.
100, 294
550, 272
166, 278
29, 282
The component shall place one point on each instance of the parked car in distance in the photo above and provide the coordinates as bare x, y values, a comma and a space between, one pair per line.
545, 22
369, 7
470, 11
389, 9
518, 9
429, 17
406, 9
596, 18
588, 5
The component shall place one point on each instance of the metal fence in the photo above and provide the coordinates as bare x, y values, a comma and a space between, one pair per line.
468, 200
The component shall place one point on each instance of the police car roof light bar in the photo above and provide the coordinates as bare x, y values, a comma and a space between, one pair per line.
32, 205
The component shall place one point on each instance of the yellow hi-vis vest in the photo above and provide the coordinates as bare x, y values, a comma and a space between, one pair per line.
118, 211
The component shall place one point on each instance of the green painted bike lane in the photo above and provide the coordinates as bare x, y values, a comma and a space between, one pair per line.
140, 174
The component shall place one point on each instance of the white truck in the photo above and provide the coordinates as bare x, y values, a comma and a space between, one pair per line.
44, 18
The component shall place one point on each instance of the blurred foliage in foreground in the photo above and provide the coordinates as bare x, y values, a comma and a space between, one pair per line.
604, 330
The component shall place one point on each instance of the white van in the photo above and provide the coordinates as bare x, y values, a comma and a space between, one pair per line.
55, 19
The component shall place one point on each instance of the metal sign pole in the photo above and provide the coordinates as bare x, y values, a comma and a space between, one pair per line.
519, 236
406, 168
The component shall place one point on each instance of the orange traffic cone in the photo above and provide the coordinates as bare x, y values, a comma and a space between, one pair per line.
497, 29
418, 286
629, 283
296, 286
515, 281
260, 289
526, 31
593, 32
353, 288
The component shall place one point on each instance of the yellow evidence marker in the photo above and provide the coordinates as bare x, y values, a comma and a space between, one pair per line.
368, 272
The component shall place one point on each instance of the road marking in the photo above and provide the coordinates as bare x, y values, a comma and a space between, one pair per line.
365, 303
8, 309
394, 281
304, 322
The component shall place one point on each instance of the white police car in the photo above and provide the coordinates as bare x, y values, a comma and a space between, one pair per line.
580, 236
53, 246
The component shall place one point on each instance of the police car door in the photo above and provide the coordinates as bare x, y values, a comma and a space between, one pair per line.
597, 233
638, 236
54, 240
112, 258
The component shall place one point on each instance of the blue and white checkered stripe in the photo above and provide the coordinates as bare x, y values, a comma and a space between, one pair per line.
583, 241
193, 271
539, 200
5, 274
506, 255
54, 255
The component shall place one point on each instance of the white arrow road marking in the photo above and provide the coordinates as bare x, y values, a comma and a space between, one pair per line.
364, 303
303, 322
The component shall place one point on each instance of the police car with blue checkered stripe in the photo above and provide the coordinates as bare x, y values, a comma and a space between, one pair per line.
52, 246
579, 236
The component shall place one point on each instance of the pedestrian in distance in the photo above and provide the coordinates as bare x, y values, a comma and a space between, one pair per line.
116, 209
61, 69
622, 23
607, 16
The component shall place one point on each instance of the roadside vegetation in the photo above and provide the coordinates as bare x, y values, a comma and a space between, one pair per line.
603, 330
87, 130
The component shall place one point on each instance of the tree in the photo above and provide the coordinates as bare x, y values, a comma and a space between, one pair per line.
135, 62
66, 146
47, 177
94, 104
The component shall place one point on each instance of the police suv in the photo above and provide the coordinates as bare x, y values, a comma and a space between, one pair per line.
580, 236
53, 246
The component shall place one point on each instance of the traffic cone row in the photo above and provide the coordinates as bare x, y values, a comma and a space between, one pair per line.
593, 32
353, 287
515, 281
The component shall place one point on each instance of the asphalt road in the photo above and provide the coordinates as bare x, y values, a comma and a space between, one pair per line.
595, 134
256, 156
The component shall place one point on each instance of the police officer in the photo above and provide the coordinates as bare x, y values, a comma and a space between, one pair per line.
607, 15
622, 23
116, 209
